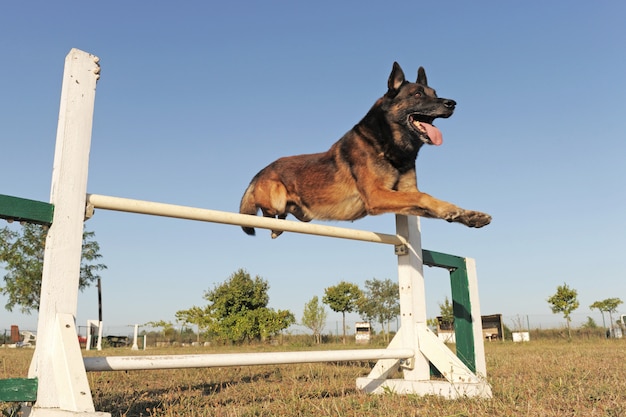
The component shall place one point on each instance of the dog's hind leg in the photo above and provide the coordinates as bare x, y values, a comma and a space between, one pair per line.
271, 197
276, 233
298, 213
271, 215
290, 209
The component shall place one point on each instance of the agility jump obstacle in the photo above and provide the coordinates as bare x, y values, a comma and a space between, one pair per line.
58, 365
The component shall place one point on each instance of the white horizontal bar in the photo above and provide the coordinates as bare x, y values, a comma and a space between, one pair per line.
127, 363
224, 217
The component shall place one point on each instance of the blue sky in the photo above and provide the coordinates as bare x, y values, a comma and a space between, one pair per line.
196, 97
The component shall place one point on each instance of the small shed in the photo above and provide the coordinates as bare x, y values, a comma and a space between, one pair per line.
493, 328
362, 332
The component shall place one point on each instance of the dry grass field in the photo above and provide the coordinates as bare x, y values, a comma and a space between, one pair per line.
541, 378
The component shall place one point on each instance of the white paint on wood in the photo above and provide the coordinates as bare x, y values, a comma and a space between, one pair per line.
125, 363
62, 256
443, 389
477, 322
444, 360
70, 377
412, 295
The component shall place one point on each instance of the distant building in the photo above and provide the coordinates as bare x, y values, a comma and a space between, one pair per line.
493, 328
362, 332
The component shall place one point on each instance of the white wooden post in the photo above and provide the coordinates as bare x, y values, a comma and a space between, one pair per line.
135, 347
63, 389
477, 328
415, 334
91, 324
89, 334
412, 312
412, 295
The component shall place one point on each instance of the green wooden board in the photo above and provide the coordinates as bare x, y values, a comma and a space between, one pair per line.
461, 305
24, 210
18, 389
442, 260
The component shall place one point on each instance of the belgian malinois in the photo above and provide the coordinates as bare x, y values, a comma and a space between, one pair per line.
370, 170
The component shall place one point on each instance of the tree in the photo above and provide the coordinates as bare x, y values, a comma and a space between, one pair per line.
238, 310
169, 331
565, 301
366, 307
590, 323
600, 306
195, 315
380, 301
608, 305
342, 298
447, 314
314, 317
273, 322
22, 253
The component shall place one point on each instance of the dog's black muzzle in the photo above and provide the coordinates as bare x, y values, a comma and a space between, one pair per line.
449, 104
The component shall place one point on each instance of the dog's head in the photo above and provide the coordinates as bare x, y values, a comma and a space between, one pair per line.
414, 106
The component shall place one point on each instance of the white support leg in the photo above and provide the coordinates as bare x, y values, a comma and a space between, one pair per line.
415, 334
70, 375
412, 313
479, 341
57, 363
412, 295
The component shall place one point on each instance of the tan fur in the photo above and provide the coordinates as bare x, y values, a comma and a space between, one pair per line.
369, 171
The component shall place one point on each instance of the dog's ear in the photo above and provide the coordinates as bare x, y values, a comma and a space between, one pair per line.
421, 76
396, 78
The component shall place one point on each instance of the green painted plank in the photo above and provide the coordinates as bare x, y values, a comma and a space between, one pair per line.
24, 210
462, 310
442, 260
18, 389
461, 306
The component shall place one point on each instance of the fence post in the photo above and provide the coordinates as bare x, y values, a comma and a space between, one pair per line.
413, 315
57, 363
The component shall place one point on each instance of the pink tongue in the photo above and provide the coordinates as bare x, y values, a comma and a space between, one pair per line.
433, 133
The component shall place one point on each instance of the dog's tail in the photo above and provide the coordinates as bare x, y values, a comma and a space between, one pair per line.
248, 206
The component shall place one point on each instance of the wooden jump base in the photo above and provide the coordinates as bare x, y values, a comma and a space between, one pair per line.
63, 389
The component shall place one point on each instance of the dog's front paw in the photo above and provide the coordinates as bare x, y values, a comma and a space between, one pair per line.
476, 219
